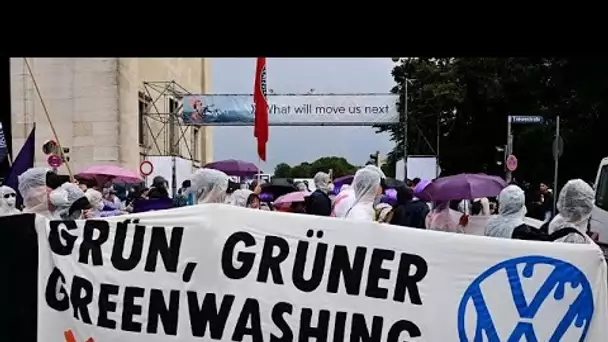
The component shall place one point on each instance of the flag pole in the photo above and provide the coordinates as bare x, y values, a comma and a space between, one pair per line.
259, 170
48, 117
10, 159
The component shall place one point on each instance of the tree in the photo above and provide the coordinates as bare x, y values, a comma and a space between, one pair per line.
282, 170
466, 102
339, 166
301, 171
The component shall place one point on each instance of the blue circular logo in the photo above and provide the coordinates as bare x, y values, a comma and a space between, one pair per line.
538, 289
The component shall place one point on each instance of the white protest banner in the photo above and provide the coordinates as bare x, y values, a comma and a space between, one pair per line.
222, 273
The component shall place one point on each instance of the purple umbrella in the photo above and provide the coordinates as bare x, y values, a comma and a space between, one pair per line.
421, 186
463, 186
233, 167
344, 180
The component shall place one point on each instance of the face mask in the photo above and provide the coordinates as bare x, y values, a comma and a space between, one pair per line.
35, 197
11, 201
99, 206
330, 187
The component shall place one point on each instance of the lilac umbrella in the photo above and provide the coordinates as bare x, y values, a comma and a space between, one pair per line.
344, 180
104, 173
463, 186
421, 186
233, 167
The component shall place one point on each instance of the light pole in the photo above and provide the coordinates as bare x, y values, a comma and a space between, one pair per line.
405, 118
405, 125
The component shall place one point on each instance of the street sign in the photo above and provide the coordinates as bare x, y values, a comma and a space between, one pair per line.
146, 168
511, 163
526, 119
49, 147
558, 147
54, 161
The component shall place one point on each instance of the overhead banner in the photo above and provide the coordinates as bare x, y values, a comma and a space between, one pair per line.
223, 273
285, 110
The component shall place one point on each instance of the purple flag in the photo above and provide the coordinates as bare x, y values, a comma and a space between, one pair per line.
23, 162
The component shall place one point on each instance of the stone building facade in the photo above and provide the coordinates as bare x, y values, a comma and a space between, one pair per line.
99, 108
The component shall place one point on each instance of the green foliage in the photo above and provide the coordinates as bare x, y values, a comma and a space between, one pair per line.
339, 165
282, 170
467, 101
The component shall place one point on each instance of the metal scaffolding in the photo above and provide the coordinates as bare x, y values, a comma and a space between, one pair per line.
164, 105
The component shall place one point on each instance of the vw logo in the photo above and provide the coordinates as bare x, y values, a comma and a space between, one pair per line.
531, 298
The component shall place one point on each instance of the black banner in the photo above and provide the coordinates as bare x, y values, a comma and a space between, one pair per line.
18, 278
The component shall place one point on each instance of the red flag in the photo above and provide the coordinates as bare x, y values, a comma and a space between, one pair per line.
260, 129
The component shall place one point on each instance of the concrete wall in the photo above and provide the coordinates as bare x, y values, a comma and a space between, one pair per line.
80, 95
93, 104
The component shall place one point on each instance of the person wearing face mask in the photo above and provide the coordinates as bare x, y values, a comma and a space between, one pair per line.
35, 184
8, 200
69, 202
319, 203
367, 187
97, 204
209, 186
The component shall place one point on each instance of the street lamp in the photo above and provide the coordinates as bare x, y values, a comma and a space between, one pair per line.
405, 124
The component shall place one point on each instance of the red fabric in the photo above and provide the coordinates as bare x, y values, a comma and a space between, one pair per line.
260, 128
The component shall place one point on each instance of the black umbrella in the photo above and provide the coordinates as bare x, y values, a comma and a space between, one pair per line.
392, 183
278, 187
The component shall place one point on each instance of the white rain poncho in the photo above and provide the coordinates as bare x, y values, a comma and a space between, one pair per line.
8, 199
344, 201
574, 204
33, 189
62, 199
376, 169
240, 197
511, 213
366, 185
322, 182
95, 199
209, 186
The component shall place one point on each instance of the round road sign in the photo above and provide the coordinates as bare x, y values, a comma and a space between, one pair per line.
54, 161
511, 163
146, 168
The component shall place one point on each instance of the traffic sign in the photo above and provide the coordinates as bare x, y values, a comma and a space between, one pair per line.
558, 147
146, 168
49, 147
526, 119
511, 163
54, 161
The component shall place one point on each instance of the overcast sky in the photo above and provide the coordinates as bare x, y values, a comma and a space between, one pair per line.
294, 145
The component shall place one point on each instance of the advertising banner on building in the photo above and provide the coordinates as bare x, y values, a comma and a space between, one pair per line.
286, 110
224, 273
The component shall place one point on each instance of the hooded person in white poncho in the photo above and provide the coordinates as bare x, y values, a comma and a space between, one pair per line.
511, 213
574, 204
69, 202
245, 198
346, 198
34, 190
8, 199
367, 186
209, 186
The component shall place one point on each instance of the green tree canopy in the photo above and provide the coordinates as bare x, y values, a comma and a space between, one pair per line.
466, 102
339, 165
282, 170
